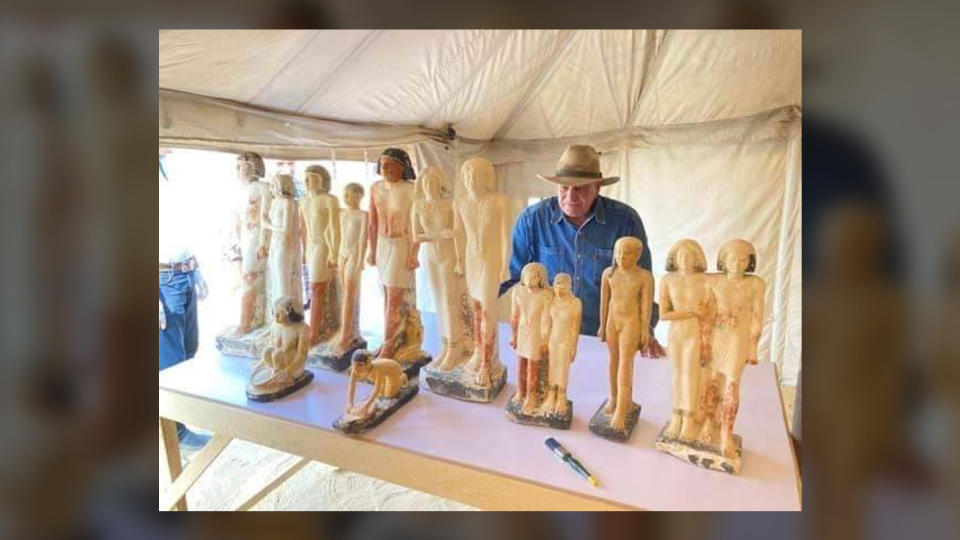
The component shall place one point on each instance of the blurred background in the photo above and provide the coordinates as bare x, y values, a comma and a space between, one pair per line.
881, 379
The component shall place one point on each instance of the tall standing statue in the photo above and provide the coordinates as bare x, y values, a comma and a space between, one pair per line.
393, 253
321, 243
736, 332
483, 218
626, 300
565, 314
687, 302
281, 368
529, 336
282, 248
335, 354
249, 336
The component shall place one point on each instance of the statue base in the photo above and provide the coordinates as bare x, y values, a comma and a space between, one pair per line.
539, 418
703, 455
459, 383
249, 345
325, 356
349, 424
600, 423
255, 394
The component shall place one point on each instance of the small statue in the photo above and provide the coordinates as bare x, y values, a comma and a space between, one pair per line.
280, 371
736, 332
483, 220
282, 245
395, 256
626, 300
687, 301
529, 335
321, 245
250, 336
335, 354
565, 313
391, 390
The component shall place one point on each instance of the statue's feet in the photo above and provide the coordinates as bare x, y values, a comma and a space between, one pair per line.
728, 447
473, 363
706, 433
610, 406
689, 430
550, 403
619, 421
561, 408
482, 378
528, 405
673, 428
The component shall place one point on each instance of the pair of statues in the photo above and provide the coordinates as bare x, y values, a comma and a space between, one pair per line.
715, 325
467, 256
544, 330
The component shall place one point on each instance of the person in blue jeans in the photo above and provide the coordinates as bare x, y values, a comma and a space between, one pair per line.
181, 286
574, 233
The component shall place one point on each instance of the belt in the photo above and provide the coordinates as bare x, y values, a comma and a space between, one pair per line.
188, 265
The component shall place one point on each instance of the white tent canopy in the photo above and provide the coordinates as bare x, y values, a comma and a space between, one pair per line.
703, 126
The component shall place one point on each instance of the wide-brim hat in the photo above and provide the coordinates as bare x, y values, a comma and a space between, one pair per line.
579, 165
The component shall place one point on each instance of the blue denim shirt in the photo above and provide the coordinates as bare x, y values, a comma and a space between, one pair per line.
541, 234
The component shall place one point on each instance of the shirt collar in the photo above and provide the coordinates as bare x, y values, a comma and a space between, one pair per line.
599, 212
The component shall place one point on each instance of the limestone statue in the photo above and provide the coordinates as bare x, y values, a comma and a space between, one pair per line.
565, 314
686, 300
530, 333
393, 253
482, 216
320, 212
736, 332
281, 368
432, 222
282, 248
391, 390
626, 300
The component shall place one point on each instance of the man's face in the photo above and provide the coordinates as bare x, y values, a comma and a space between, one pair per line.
391, 169
577, 201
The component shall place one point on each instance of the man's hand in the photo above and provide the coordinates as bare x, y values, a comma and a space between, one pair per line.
652, 349
201, 285
163, 317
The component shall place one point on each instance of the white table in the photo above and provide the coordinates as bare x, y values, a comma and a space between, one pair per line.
471, 453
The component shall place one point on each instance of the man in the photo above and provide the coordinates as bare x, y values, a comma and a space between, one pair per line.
181, 285
574, 233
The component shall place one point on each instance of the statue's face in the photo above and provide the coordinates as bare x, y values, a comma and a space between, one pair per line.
533, 277
352, 198
391, 169
433, 184
736, 260
685, 259
280, 312
561, 286
314, 183
626, 255
477, 178
245, 169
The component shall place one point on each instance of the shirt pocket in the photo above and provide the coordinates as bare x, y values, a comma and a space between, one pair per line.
597, 262
555, 260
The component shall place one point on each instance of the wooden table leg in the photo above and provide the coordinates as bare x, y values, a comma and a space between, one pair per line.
170, 465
